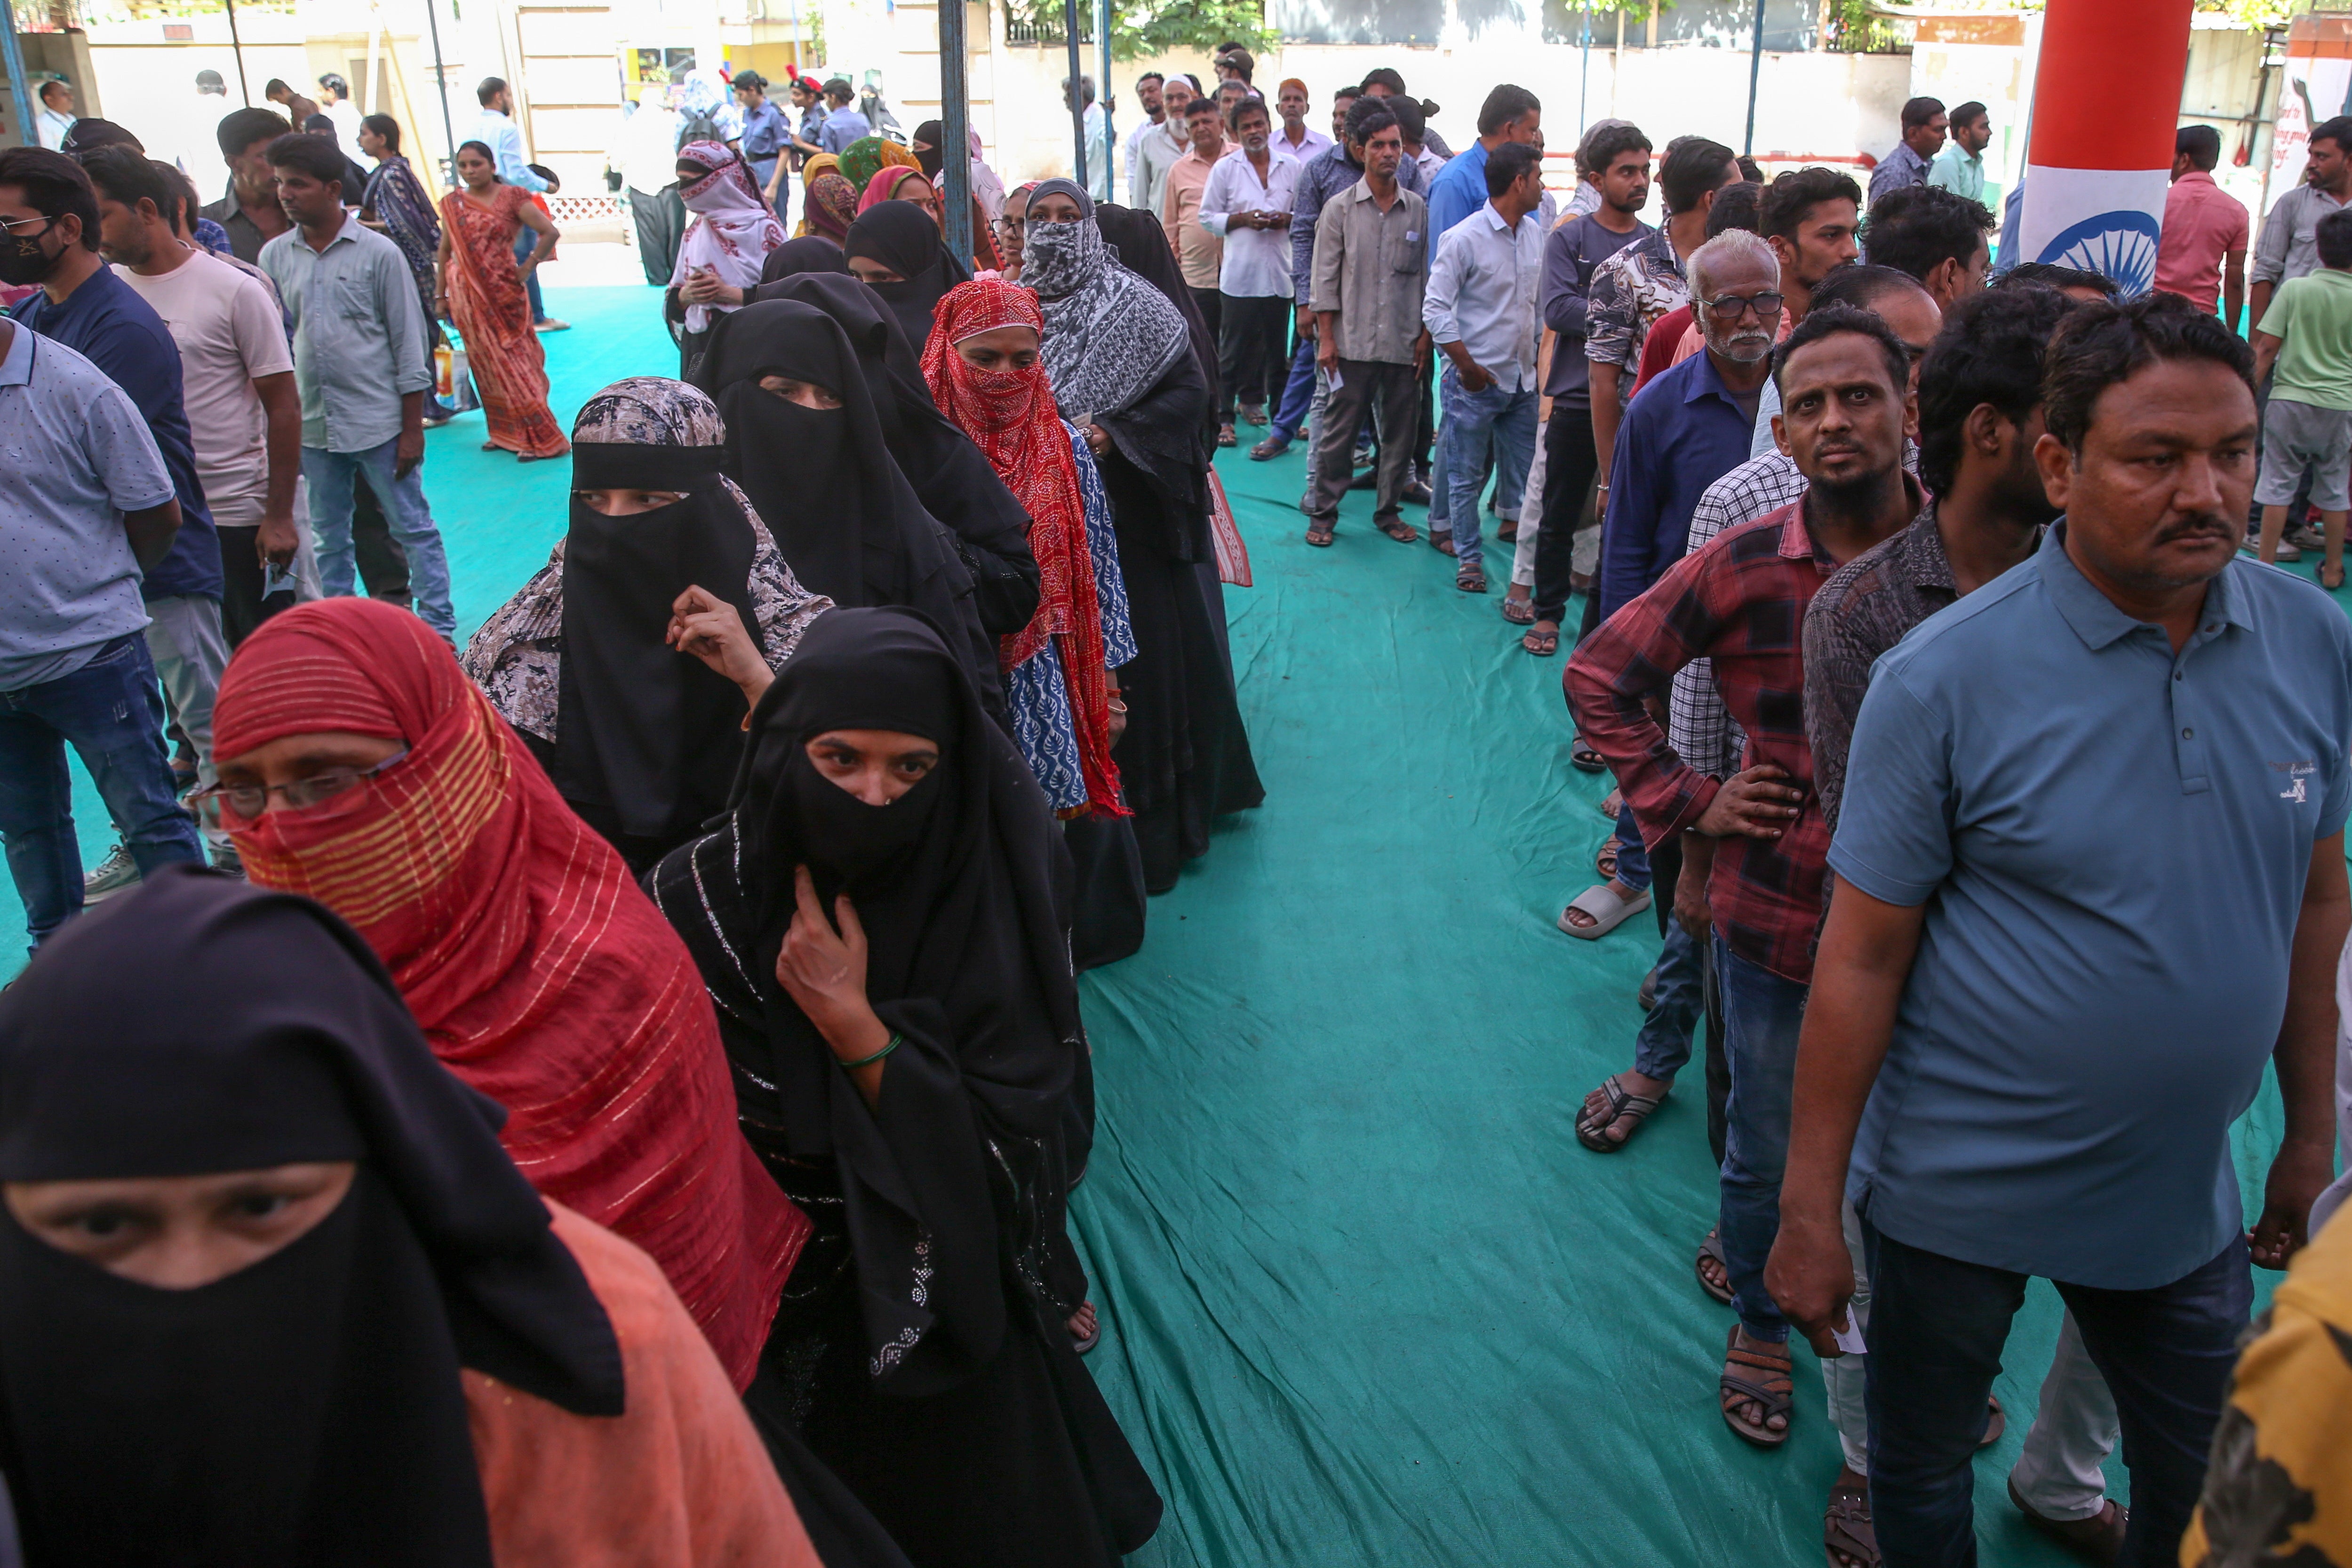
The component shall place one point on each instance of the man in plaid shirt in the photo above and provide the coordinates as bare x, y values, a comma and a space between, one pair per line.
1843, 377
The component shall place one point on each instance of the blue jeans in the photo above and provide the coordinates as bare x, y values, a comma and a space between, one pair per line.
1474, 421
1762, 1015
526, 240
110, 711
1936, 1328
1664, 1044
1632, 855
333, 477
1298, 393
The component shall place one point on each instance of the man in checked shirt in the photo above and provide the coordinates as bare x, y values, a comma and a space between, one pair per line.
1843, 377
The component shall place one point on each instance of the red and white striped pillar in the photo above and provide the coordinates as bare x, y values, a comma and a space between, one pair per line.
2106, 101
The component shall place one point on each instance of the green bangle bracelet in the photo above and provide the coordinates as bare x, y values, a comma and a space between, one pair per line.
896, 1041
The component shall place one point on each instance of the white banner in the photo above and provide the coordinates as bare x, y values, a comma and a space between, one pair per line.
2100, 220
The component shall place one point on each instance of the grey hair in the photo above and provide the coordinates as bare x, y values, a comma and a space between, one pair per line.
1729, 247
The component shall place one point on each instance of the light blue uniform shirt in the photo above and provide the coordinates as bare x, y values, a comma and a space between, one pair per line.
359, 333
2112, 841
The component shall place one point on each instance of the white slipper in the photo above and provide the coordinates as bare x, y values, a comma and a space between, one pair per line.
1607, 909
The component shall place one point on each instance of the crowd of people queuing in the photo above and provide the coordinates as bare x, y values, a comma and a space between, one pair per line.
668, 1158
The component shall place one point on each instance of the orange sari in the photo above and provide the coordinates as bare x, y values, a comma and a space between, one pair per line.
493, 315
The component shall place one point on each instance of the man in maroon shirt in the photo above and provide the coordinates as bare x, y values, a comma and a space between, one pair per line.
1843, 380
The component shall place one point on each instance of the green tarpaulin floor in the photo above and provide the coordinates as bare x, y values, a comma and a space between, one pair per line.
1365, 1300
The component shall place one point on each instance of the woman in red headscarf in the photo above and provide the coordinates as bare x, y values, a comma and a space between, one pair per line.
542, 975
1061, 671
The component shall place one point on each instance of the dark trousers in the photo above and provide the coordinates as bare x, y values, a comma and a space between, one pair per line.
1213, 311
242, 606
1936, 1328
526, 240
1389, 390
661, 224
1251, 358
1569, 465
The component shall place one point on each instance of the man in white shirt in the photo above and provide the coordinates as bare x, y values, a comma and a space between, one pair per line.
236, 374
1147, 97
335, 103
56, 116
1296, 138
1247, 204
1101, 179
1481, 310
1155, 148
495, 128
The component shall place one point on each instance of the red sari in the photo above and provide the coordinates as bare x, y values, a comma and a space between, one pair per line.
493, 315
540, 972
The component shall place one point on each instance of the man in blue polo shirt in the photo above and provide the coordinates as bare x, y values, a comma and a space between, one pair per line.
2089, 882
83, 305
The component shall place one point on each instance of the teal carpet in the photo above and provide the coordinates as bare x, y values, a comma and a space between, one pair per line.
1366, 1301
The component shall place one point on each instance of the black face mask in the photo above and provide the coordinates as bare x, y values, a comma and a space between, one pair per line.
859, 845
27, 258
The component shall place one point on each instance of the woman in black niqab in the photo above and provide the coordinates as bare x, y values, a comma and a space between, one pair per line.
824, 481
905, 239
924, 1332
307, 1408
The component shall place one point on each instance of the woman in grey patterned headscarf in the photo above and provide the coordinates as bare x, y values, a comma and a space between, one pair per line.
1109, 334
628, 661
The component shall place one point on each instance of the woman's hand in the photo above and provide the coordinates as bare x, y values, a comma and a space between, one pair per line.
824, 971
707, 626
1118, 716
1098, 439
705, 288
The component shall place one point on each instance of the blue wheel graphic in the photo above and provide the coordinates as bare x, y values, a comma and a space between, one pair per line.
2119, 245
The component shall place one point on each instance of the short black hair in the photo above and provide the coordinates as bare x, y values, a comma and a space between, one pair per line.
2338, 130
388, 128
1693, 167
1411, 124
1347, 95
1203, 103
1828, 322
125, 177
1988, 351
58, 82
2097, 346
276, 84
1612, 142
1918, 111
2050, 275
1508, 164
1386, 77
1918, 228
1367, 117
1863, 285
2202, 143
186, 204
2335, 237
333, 82
241, 127
748, 78
1243, 106
1735, 208
210, 81
1148, 75
1504, 105
491, 87
1967, 112
54, 186
1790, 198
312, 155
1749, 169
319, 125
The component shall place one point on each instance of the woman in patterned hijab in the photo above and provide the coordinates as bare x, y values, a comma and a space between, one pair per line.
869, 155
831, 202
628, 661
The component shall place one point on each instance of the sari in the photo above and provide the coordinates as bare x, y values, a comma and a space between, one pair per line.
396, 196
540, 975
493, 315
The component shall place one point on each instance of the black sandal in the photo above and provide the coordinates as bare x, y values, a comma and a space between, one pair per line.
1319, 534
1772, 1389
1470, 579
1583, 757
1543, 645
1397, 528
1619, 1104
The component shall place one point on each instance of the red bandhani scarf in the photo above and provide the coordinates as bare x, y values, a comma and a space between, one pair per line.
539, 971
1010, 416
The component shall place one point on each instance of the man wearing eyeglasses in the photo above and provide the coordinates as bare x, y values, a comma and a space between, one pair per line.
1844, 379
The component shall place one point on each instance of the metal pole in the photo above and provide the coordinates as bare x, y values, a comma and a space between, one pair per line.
1584, 79
441, 86
1110, 136
955, 142
236, 47
1755, 70
1077, 99
20, 89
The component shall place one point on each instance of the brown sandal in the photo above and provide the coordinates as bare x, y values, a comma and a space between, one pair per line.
1766, 1382
1319, 534
1848, 1539
1397, 528
1616, 1105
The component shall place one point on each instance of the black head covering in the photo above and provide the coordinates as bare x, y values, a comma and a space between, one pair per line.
1142, 248
306, 1409
905, 238
822, 480
810, 253
951, 477
930, 133
645, 733
960, 886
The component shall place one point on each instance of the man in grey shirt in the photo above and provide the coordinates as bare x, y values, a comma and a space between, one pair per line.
360, 367
1923, 137
2289, 248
